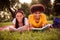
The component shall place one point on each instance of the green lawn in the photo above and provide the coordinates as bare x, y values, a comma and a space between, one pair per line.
52, 34
5, 23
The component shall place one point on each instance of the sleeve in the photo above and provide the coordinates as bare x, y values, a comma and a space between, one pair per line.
26, 21
29, 19
44, 19
14, 21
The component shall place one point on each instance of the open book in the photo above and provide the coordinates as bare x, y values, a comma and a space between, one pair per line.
18, 29
43, 28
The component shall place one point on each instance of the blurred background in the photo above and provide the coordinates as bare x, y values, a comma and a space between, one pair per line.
8, 8
7, 13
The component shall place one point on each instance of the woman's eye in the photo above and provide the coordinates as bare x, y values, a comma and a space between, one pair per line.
20, 15
17, 16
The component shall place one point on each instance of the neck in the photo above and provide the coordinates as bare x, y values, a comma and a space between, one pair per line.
20, 24
37, 21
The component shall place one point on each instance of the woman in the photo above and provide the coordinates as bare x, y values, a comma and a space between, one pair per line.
20, 22
37, 19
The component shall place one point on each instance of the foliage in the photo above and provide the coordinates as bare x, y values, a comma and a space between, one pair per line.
56, 7
53, 34
5, 24
34, 2
47, 5
50, 9
25, 8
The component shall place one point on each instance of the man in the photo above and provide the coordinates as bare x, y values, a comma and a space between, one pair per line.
37, 18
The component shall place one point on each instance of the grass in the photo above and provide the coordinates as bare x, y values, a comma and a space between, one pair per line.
5, 23
52, 34
50, 22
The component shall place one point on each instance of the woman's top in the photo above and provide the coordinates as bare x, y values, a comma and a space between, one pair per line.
25, 21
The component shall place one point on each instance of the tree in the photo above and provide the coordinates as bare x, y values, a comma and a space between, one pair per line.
7, 4
34, 2
56, 8
25, 8
47, 5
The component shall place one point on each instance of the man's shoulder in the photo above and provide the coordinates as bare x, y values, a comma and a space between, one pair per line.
30, 15
43, 14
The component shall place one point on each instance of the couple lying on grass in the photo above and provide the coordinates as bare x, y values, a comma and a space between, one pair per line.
36, 20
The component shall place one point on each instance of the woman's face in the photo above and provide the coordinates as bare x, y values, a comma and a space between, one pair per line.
19, 16
37, 15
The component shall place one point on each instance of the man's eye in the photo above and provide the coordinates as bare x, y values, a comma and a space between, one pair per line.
35, 13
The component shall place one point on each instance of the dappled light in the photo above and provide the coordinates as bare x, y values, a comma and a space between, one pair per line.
25, 1
29, 19
52, 1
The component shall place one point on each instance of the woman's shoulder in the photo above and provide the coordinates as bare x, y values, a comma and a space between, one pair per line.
14, 21
26, 21
26, 18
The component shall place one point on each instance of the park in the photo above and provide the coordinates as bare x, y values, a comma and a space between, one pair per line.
7, 14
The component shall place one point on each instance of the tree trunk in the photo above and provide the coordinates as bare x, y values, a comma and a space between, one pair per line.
12, 12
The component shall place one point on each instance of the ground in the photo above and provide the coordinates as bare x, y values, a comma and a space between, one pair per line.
52, 34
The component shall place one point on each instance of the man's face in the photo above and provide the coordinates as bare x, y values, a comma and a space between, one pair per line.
37, 15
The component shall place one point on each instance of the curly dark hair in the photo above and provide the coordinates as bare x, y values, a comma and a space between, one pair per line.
37, 7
